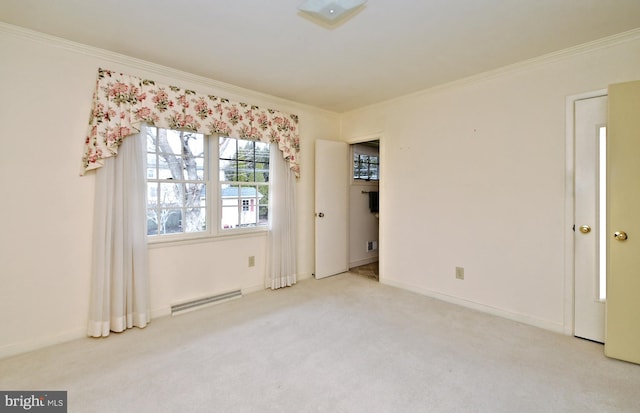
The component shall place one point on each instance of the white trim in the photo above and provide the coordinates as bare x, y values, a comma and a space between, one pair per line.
521, 318
568, 296
107, 55
379, 136
248, 233
41, 342
363, 261
160, 312
548, 58
305, 276
253, 289
365, 138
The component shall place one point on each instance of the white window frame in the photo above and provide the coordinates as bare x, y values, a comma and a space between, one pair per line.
213, 202
237, 230
359, 150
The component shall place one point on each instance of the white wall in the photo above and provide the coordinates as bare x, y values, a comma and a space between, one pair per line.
47, 207
484, 160
487, 154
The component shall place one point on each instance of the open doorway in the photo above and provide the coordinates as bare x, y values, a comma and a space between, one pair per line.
364, 214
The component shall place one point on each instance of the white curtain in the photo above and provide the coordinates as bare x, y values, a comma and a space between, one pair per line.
281, 259
120, 279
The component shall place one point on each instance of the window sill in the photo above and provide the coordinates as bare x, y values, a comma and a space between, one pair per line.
200, 239
364, 182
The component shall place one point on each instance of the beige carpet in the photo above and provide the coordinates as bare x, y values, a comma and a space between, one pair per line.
341, 344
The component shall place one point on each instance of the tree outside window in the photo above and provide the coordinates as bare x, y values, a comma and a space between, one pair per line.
176, 184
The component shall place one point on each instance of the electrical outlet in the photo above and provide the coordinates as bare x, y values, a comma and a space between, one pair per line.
460, 273
252, 261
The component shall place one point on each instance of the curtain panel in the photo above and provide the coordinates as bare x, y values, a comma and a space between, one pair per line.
281, 257
121, 103
120, 276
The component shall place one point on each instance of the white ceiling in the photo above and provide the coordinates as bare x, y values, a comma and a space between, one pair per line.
388, 49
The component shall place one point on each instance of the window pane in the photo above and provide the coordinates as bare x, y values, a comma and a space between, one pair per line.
262, 175
373, 171
171, 194
173, 205
194, 144
230, 205
152, 194
195, 219
263, 215
194, 195
151, 166
246, 172
263, 194
229, 217
152, 222
228, 170
164, 172
263, 204
366, 167
193, 169
173, 142
245, 150
262, 152
170, 221
248, 217
245, 162
262, 172
363, 171
228, 148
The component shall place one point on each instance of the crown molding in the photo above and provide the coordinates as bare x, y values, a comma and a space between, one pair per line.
545, 59
118, 58
140, 64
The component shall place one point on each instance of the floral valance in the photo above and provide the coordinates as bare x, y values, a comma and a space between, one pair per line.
121, 103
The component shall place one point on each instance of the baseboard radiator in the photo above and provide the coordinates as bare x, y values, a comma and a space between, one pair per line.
205, 301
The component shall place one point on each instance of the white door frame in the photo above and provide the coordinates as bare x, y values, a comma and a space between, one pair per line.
569, 207
381, 156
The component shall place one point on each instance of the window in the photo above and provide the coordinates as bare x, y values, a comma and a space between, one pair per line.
180, 201
176, 182
366, 167
244, 183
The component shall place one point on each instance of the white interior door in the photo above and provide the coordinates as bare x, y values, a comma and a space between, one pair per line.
589, 308
332, 208
623, 246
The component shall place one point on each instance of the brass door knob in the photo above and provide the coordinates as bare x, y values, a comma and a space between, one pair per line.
585, 229
620, 235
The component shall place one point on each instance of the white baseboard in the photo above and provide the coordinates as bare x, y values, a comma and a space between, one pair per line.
521, 318
15, 349
363, 261
253, 289
304, 276
161, 312
41, 342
